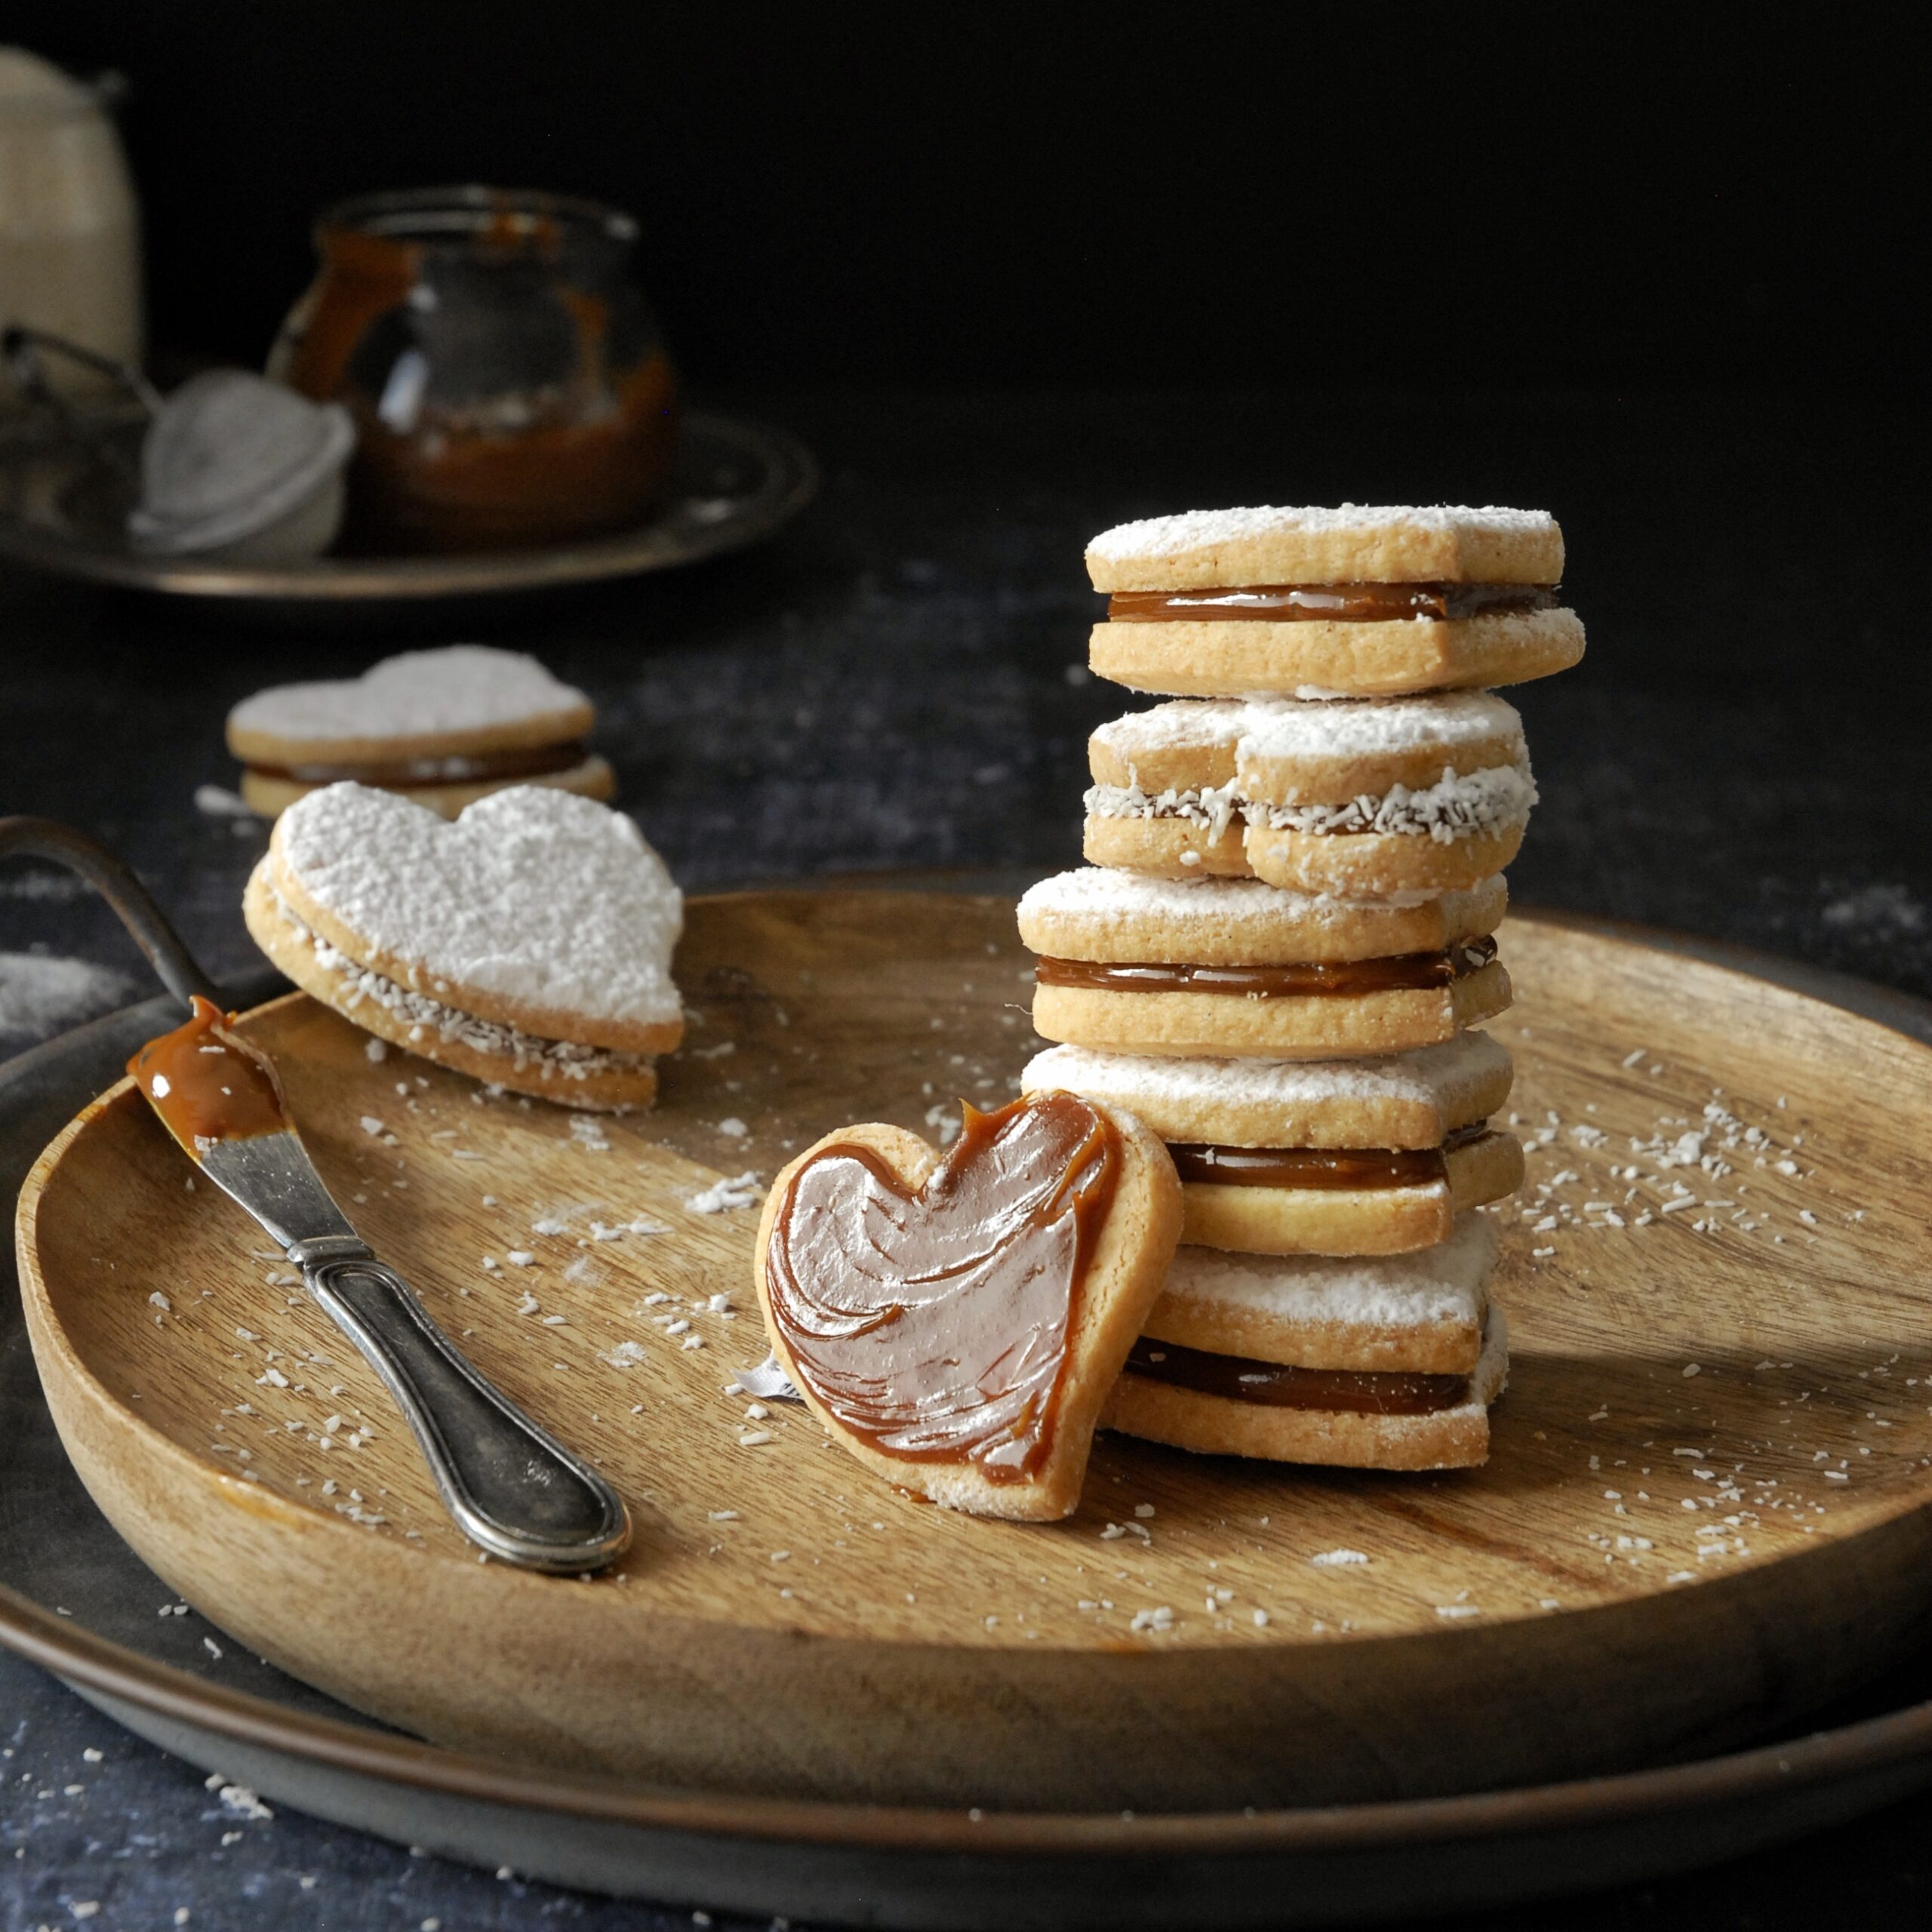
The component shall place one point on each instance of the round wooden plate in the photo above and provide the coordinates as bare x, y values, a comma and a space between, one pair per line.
1705, 1511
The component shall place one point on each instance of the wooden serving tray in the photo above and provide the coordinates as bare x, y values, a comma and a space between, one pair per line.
1706, 1509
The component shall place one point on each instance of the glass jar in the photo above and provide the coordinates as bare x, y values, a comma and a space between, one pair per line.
509, 386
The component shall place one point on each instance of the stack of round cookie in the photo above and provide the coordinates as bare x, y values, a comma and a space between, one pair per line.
1279, 948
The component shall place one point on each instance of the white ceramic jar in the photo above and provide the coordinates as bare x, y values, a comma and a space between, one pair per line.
70, 259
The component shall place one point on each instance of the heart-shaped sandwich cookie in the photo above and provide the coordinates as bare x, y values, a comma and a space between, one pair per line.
527, 942
1361, 798
957, 1321
1354, 601
1341, 1157
443, 727
1219, 966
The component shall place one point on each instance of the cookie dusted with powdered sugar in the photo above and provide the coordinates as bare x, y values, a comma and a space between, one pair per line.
443, 728
1220, 967
1323, 1157
1234, 1405
1409, 1100
1355, 600
527, 942
1361, 797
1417, 1314
1104, 913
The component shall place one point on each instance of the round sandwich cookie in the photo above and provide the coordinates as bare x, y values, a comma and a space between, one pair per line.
956, 1321
1418, 1313
1233, 1405
443, 728
1133, 964
527, 942
1355, 601
1316, 1157
1360, 799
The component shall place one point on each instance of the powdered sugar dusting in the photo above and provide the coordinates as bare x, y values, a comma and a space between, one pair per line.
1312, 727
40, 995
1445, 1283
1355, 727
1439, 1076
461, 687
1191, 530
533, 895
1252, 908
1184, 725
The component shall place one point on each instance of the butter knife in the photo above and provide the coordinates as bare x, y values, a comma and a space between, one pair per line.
514, 1490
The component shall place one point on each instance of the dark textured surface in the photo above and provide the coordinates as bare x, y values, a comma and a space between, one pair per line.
894, 683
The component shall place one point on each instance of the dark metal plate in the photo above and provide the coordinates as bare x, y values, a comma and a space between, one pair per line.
74, 1599
60, 511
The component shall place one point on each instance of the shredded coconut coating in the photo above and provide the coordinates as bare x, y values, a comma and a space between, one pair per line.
1438, 1077
458, 688
567, 1057
1215, 807
1459, 805
1447, 1282
535, 895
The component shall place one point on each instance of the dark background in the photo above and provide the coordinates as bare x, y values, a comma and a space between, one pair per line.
1428, 199
1016, 272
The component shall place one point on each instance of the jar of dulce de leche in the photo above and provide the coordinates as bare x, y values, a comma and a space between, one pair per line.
509, 386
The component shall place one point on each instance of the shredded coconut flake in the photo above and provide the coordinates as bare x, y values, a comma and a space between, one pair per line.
743, 1190
1459, 805
569, 1059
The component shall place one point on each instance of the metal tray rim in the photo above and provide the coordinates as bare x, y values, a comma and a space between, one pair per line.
790, 483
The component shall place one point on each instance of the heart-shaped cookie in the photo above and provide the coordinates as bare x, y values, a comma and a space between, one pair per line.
442, 726
957, 1321
527, 941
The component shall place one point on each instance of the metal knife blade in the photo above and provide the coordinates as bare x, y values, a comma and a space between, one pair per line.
513, 1489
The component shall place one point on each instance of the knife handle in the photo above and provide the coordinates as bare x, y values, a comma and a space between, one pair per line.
514, 1489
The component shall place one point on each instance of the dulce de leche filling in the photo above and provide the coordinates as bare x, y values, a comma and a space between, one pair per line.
1333, 1167
935, 1327
1338, 603
1241, 1379
476, 767
1399, 972
206, 1085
